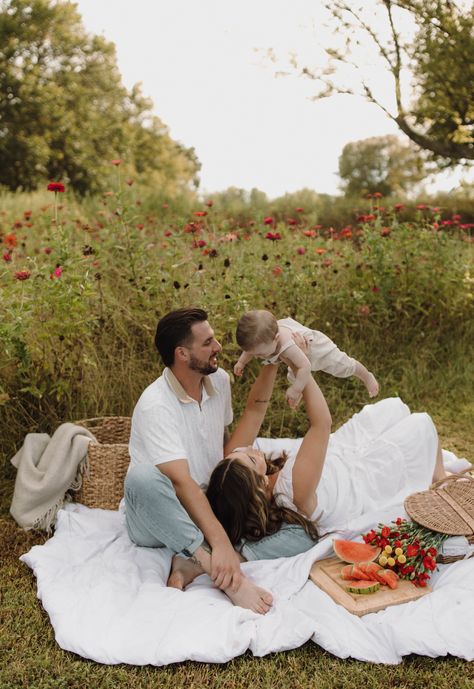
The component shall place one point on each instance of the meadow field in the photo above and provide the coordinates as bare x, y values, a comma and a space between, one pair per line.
82, 285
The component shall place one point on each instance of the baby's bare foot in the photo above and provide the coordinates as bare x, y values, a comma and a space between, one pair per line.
251, 597
372, 385
183, 572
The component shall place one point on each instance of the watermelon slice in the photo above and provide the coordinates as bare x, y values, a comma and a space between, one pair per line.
363, 587
389, 577
351, 552
346, 573
357, 573
370, 569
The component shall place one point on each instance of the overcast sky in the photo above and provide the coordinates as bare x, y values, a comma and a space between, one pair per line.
203, 64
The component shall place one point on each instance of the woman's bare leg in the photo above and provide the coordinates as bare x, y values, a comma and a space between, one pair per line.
439, 472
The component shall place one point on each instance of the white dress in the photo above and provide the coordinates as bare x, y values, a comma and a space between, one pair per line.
377, 458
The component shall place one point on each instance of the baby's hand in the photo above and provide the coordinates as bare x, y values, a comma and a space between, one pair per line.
238, 369
293, 396
372, 385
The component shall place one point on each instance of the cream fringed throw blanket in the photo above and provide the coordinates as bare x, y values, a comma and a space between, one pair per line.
47, 467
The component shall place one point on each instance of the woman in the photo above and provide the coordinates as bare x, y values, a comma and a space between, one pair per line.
377, 458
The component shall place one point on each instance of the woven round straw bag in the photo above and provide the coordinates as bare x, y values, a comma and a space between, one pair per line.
107, 459
447, 507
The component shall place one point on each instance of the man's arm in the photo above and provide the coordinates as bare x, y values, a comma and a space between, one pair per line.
225, 562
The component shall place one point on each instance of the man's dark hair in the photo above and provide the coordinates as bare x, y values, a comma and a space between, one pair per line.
174, 330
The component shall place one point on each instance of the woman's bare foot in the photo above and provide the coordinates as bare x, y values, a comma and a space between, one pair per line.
251, 596
183, 572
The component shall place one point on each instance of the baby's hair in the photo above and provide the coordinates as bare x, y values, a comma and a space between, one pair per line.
256, 327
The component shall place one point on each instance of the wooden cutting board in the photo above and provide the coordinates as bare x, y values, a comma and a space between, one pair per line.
326, 575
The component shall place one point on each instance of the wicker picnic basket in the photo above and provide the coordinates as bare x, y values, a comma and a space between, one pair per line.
447, 507
108, 460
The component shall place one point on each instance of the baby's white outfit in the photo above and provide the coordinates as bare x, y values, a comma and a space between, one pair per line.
322, 353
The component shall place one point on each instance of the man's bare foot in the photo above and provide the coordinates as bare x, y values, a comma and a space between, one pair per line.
183, 572
251, 597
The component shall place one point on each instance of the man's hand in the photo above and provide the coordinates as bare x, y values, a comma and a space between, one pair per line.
225, 567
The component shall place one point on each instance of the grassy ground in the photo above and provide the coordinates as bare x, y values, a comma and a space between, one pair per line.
32, 659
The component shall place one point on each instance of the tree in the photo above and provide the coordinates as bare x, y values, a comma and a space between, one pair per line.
64, 111
432, 71
381, 163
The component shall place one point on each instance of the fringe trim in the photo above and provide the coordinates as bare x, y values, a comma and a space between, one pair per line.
47, 520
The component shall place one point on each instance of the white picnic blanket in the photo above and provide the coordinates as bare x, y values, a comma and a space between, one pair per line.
107, 601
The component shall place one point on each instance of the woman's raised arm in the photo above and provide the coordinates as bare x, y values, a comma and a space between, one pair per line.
309, 461
256, 407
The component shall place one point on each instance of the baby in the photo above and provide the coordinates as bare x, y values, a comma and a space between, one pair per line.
261, 335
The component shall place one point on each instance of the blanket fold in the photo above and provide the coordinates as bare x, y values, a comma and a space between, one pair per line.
47, 467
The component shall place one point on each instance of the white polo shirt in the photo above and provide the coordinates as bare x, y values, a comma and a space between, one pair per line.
167, 424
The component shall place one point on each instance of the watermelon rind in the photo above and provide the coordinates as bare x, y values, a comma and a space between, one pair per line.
352, 552
363, 587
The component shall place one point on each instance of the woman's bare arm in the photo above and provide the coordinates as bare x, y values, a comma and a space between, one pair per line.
251, 420
309, 462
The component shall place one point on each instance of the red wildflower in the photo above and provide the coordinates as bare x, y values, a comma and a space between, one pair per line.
327, 262
398, 521
201, 243
7, 256
385, 532
385, 231
268, 221
277, 270
209, 203
165, 205
345, 233
412, 549
168, 233
375, 289
377, 195
27, 214
320, 250
421, 207
273, 236
429, 563
22, 274
433, 552
129, 182
292, 222
200, 214
309, 233
301, 250
116, 161
398, 207
56, 186
299, 210
366, 218
10, 240
456, 218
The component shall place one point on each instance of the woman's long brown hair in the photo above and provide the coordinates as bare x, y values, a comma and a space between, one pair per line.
239, 499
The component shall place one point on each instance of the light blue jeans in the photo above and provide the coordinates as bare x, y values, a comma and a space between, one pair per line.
156, 518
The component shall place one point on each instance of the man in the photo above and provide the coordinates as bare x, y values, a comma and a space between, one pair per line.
177, 438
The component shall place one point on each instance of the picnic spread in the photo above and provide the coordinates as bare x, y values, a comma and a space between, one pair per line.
107, 600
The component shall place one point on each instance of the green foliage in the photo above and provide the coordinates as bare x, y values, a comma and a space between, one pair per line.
380, 164
77, 332
431, 40
64, 110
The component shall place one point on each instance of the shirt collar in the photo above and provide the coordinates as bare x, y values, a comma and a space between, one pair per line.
181, 393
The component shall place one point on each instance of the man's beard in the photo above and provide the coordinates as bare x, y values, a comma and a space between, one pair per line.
205, 368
